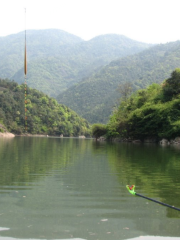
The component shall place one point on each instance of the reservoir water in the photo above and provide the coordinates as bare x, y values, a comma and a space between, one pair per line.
68, 188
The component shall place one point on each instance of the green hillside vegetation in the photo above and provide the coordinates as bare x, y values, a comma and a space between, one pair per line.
44, 114
39, 43
94, 97
153, 112
57, 60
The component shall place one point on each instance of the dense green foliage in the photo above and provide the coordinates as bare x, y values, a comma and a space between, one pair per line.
94, 97
98, 130
44, 114
153, 112
56, 59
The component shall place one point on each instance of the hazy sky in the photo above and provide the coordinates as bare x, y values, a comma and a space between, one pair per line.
152, 21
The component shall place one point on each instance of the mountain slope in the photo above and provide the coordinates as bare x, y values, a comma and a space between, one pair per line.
44, 114
94, 97
39, 43
57, 60
152, 113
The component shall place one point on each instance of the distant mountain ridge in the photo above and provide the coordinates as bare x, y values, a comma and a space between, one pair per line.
39, 43
57, 59
94, 97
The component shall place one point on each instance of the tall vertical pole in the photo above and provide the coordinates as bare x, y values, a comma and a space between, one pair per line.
25, 81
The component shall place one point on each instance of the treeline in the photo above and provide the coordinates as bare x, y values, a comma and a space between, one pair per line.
153, 112
44, 114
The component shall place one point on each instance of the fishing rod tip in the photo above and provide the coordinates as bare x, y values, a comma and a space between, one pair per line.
131, 189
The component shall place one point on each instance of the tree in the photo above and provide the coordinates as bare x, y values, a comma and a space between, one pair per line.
98, 130
171, 87
125, 90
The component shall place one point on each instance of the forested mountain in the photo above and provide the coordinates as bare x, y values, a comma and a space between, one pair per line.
44, 114
94, 97
56, 59
152, 113
39, 43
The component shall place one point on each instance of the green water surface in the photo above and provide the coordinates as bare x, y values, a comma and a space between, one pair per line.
68, 188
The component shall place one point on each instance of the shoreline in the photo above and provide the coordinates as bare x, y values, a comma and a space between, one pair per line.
7, 134
51, 136
162, 142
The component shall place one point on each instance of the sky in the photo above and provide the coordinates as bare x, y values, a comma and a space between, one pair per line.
150, 21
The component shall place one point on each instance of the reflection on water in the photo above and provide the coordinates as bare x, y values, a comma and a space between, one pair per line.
59, 188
